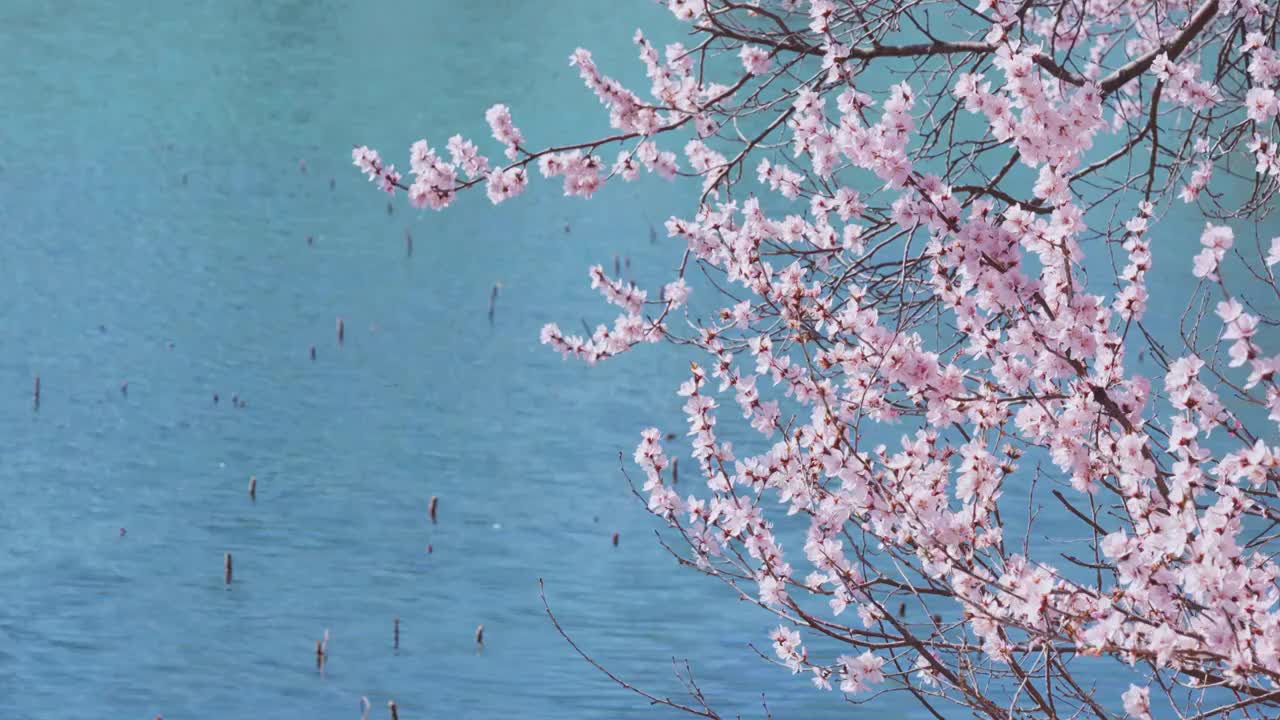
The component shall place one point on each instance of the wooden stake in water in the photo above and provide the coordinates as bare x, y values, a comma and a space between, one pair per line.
408, 243
396, 646
253, 488
313, 353
431, 508
675, 470
322, 651
226, 568
35, 392
615, 539
480, 635
391, 705
340, 331
493, 300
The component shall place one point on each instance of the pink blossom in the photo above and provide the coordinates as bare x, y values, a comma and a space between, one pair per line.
932, 298
755, 60
861, 672
1261, 103
687, 10
786, 644
1216, 239
499, 119
505, 184
676, 293
465, 155
1137, 702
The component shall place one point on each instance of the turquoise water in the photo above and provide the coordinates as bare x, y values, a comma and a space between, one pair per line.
154, 222
118, 269
154, 213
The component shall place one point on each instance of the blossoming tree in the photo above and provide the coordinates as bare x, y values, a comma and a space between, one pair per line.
928, 305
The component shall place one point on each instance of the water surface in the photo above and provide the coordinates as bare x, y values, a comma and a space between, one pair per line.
154, 221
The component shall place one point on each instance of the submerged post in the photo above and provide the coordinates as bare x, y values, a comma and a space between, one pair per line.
322, 651
493, 300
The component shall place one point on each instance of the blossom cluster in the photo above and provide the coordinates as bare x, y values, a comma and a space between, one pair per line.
905, 319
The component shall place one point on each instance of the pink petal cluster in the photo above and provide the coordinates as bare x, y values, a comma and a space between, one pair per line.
503, 130
385, 176
755, 60
920, 361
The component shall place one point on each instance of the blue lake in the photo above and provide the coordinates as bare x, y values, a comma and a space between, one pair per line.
155, 220
161, 169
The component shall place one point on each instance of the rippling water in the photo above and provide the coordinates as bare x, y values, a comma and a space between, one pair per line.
154, 219
155, 216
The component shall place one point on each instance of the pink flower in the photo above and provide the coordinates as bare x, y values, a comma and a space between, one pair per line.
1205, 264
772, 591
1229, 310
626, 166
388, 179
505, 184
1261, 104
900, 361
687, 10
1137, 702
676, 293
465, 155
786, 645
366, 159
499, 119
820, 14
1218, 237
384, 176
755, 60
858, 673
